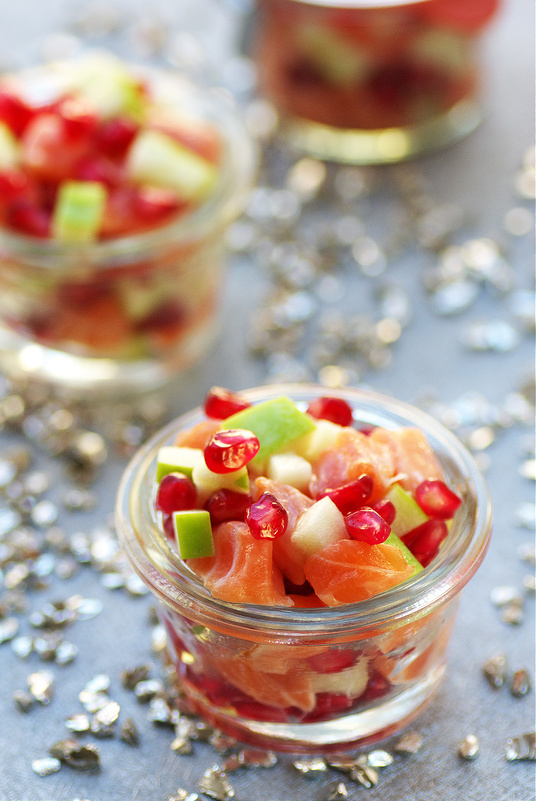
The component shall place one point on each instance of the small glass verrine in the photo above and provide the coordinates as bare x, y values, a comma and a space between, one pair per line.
130, 310
372, 81
314, 679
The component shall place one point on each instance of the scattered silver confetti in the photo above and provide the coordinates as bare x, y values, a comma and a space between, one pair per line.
521, 683
495, 670
339, 793
469, 747
45, 766
129, 732
216, 785
409, 743
364, 775
522, 747
78, 722
76, 755
512, 612
310, 766
504, 594
9, 628
379, 758
23, 700
41, 686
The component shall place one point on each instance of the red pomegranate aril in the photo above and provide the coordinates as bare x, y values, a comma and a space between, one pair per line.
436, 499
328, 705
221, 403
366, 525
336, 410
350, 496
152, 204
14, 112
114, 137
230, 450
424, 541
267, 519
14, 185
99, 168
80, 121
169, 528
175, 493
225, 504
30, 219
385, 509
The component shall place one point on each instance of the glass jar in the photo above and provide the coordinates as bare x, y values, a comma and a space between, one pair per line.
371, 81
128, 312
315, 679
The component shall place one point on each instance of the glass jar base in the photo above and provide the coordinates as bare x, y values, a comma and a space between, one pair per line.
75, 375
356, 729
385, 146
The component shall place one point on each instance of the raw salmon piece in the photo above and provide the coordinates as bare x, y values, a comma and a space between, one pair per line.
413, 458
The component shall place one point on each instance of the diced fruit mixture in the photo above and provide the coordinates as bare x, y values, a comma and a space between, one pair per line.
91, 150
270, 504
393, 65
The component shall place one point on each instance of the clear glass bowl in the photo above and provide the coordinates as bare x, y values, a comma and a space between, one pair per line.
371, 81
319, 679
127, 313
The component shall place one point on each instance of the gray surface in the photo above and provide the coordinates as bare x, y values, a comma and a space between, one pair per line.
477, 174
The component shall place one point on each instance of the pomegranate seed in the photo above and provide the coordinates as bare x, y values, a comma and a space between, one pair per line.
335, 410
114, 137
79, 120
14, 112
424, 541
221, 403
351, 496
366, 525
436, 499
30, 219
230, 450
168, 527
332, 661
377, 687
267, 519
98, 168
328, 705
254, 710
175, 493
14, 185
153, 204
227, 505
385, 509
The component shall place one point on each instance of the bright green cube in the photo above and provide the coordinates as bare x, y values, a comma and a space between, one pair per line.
174, 459
78, 211
276, 423
392, 539
193, 532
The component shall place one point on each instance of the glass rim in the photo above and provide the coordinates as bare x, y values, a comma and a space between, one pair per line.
239, 162
457, 561
358, 4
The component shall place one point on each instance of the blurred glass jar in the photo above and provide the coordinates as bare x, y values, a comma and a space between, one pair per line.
372, 81
314, 679
129, 309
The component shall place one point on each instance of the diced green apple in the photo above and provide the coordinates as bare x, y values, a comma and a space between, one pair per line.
339, 60
351, 681
392, 539
78, 211
159, 160
9, 148
109, 87
193, 533
322, 438
207, 482
289, 468
409, 514
320, 525
276, 423
175, 459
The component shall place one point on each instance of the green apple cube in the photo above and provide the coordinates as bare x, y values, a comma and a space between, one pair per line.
109, 87
392, 539
193, 533
159, 160
320, 525
409, 514
9, 148
276, 423
78, 211
351, 682
289, 468
322, 438
207, 483
175, 459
